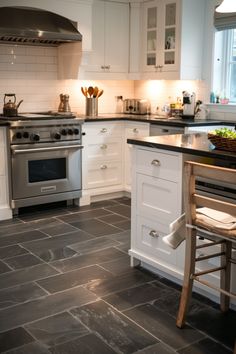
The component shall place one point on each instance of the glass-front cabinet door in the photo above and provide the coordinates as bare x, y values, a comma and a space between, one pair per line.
160, 27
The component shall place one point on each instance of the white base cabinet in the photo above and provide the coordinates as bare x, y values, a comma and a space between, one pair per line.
5, 210
156, 202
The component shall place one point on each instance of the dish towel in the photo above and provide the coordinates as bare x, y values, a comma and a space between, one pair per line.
212, 217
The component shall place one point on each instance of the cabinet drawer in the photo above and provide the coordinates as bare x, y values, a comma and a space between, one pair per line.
159, 164
103, 129
149, 240
2, 160
102, 175
111, 149
157, 198
136, 130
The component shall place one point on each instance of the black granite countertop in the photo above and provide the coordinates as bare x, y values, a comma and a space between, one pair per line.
3, 123
193, 144
154, 119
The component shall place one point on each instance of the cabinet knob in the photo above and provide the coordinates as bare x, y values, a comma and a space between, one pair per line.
153, 233
103, 167
156, 163
103, 130
103, 147
135, 130
107, 67
103, 67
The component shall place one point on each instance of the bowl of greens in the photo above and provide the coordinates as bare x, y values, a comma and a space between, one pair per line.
223, 139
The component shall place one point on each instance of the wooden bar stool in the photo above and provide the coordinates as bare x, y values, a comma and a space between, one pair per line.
196, 224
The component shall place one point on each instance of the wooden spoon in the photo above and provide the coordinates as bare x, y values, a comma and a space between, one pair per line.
95, 91
100, 92
84, 91
90, 91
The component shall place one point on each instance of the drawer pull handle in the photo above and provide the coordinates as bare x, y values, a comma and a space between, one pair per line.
103, 130
153, 234
103, 147
135, 130
156, 163
103, 167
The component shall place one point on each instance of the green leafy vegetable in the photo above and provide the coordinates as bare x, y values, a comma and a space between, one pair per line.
225, 133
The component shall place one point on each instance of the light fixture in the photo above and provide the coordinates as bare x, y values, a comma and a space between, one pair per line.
227, 6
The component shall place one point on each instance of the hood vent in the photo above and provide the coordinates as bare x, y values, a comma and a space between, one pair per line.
21, 25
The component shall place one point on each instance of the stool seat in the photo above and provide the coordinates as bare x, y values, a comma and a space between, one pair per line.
204, 222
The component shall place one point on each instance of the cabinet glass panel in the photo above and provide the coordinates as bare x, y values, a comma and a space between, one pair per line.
169, 58
151, 17
151, 41
170, 15
170, 38
151, 59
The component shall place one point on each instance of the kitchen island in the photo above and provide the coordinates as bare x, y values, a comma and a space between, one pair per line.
157, 200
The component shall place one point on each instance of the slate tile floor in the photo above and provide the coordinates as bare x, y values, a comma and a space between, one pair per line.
66, 287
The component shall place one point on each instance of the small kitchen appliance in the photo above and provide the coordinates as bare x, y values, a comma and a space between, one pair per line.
136, 106
188, 105
10, 108
64, 104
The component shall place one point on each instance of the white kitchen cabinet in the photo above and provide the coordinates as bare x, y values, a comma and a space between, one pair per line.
102, 159
133, 130
109, 57
156, 202
5, 210
172, 37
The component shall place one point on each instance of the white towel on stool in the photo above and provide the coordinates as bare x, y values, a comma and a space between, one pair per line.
177, 232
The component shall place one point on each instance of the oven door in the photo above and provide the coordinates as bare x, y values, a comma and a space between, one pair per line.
38, 171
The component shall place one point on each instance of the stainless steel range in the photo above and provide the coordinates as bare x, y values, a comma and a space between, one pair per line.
46, 155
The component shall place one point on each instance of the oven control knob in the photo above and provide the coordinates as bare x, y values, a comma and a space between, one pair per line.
18, 135
25, 135
76, 131
64, 132
70, 131
35, 137
57, 136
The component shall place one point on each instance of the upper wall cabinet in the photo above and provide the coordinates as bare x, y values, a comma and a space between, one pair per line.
109, 57
172, 39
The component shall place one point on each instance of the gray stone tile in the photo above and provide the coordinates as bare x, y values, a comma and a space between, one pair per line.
52, 255
12, 251
90, 344
57, 329
59, 229
115, 329
121, 210
112, 218
21, 237
124, 247
123, 200
163, 326
43, 214
32, 348
14, 338
57, 242
158, 348
205, 346
85, 215
118, 266
26, 275
96, 228
123, 225
138, 295
74, 278
122, 237
23, 261
94, 245
85, 260
16, 316
20, 293
120, 282
10, 222
6, 230
4, 268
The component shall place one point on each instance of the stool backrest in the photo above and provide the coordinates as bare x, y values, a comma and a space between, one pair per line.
192, 198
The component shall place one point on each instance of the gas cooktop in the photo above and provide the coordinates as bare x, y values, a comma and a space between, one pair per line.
41, 116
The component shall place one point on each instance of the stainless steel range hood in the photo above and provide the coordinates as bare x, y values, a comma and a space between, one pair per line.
22, 25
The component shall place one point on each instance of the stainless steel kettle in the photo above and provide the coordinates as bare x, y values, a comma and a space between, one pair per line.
10, 108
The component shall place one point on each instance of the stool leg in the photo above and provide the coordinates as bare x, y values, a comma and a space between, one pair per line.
189, 269
235, 347
225, 275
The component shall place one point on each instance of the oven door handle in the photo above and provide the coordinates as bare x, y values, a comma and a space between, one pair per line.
44, 149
